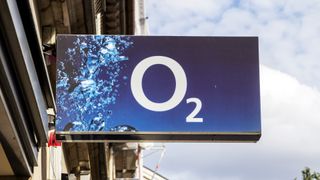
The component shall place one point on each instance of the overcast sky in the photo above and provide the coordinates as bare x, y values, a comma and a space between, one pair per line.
289, 40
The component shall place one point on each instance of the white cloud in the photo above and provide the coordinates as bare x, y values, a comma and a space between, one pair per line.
290, 82
288, 30
290, 112
187, 12
290, 124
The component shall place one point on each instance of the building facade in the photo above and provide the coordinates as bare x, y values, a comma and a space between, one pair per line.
28, 31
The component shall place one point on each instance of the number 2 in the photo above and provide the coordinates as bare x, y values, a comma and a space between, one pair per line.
191, 117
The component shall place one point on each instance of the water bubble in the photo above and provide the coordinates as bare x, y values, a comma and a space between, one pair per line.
123, 128
109, 112
78, 126
88, 85
104, 51
97, 123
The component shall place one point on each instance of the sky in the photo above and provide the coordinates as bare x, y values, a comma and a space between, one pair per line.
289, 51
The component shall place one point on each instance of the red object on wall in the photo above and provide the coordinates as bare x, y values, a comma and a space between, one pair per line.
52, 140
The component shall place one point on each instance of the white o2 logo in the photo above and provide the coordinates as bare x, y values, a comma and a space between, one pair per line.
180, 78
179, 92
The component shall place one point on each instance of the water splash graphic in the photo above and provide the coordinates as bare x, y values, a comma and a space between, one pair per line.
88, 81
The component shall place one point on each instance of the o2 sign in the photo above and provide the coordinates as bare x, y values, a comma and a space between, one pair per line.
179, 92
207, 88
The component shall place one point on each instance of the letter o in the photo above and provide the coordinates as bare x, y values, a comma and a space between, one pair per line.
180, 80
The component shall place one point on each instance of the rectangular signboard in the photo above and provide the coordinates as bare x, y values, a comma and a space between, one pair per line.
157, 88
